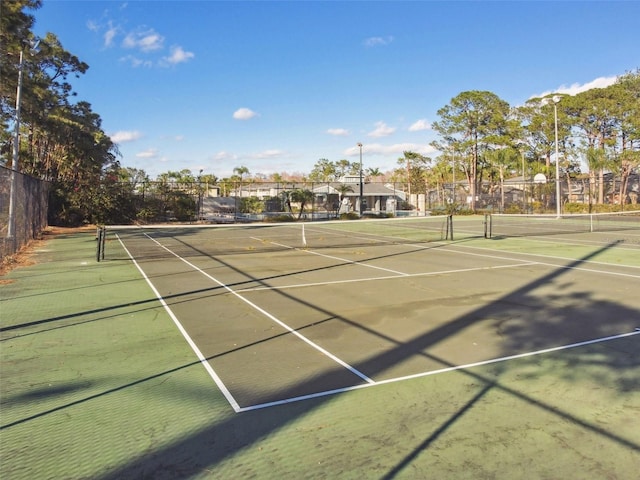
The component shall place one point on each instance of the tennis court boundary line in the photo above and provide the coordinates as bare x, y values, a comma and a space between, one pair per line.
437, 372
369, 382
234, 404
387, 277
201, 358
332, 257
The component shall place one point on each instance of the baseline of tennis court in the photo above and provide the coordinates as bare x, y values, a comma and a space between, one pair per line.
277, 317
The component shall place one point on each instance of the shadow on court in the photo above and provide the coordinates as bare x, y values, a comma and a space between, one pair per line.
216, 443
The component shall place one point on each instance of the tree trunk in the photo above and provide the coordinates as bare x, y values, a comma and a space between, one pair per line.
601, 186
625, 171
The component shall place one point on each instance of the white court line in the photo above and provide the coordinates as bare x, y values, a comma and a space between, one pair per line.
452, 249
268, 315
346, 260
369, 381
194, 347
388, 277
579, 242
436, 372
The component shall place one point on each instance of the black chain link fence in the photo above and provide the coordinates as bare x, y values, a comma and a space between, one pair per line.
260, 200
23, 210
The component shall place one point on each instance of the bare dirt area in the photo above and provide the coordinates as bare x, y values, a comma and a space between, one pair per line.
24, 257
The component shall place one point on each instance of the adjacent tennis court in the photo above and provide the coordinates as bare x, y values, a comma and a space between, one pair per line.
431, 347
279, 313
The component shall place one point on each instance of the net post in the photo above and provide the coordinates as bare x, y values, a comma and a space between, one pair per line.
98, 242
487, 225
104, 242
100, 237
449, 227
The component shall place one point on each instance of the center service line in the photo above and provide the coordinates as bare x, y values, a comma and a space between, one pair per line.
268, 315
194, 347
353, 262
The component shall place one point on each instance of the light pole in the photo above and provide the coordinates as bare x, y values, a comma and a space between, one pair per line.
555, 99
11, 234
361, 185
199, 196
14, 162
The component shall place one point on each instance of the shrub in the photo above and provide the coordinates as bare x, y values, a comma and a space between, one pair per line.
279, 218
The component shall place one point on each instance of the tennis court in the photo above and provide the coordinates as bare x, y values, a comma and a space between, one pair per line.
279, 313
410, 348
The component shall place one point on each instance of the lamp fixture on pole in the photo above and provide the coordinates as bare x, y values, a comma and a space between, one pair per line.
545, 101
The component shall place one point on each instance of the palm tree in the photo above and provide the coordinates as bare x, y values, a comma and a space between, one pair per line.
342, 190
302, 197
374, 172
240, 171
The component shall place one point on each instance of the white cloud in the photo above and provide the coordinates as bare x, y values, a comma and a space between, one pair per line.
244, 114
378, 41
222, 155
145, 40
136, 62
339, 132
381, 130
178, 55
109, 35
150, 153
93, 26
269, 154
393, 149
419, 125
575, 88
124, 136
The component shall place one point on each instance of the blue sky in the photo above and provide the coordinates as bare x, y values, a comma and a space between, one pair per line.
275, 86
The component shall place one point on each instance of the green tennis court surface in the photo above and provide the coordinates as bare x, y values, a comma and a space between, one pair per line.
384, 351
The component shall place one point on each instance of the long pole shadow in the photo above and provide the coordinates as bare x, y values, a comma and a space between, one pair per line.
198, 446
195, 444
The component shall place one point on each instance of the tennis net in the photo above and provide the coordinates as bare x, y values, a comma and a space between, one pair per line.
270, 237
525, 225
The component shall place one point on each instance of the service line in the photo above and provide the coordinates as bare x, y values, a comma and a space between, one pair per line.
441, 370
267, 314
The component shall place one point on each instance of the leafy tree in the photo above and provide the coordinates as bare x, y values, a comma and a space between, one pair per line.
342, 168
374, 172
502, 160
474, 121
627, 94
239, 172
443, 171
251, 205
60, 140
416, 166
323, 171
15, 32
343, 189
593, 115
301, 196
